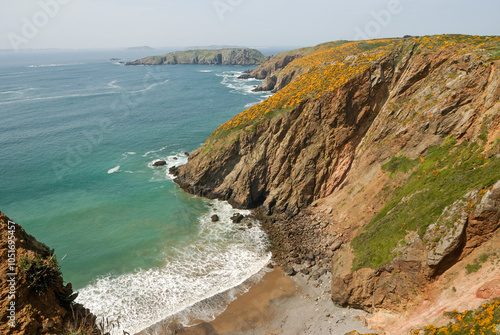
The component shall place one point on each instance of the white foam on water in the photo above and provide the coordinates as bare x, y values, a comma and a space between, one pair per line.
55, 97
205, 310
155, 151
112, 84
241, 86
113, 170
55, 65
205, 71
251, 104
223, 257
126, 154
150, 87
171, 160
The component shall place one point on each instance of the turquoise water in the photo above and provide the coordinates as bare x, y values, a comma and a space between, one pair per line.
79, 134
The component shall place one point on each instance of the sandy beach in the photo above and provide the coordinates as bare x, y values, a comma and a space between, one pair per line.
280, 304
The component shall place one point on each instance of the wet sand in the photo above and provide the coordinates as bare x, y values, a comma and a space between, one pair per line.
279, 304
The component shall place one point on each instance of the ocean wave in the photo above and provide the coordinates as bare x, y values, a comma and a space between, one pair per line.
55, 65
150, 87
113, 170
223, 257
171, 161
112, 84
252, 104
55, 97
130, 153
206, 71
155, 151
240, 86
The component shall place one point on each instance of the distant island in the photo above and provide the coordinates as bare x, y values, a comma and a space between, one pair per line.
233, 56
144, 47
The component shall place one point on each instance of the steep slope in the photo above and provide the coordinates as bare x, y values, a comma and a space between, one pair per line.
34, 299
394, 143
205, 57
271, 69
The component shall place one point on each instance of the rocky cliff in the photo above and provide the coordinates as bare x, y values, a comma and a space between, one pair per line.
380, 158
205, 57
33, 297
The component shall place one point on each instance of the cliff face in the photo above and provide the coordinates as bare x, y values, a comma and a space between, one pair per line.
34, 299
348, 173
290, 161
205, 57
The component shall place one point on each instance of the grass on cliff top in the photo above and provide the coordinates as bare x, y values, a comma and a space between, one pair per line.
444, 175
328, 66
483, 320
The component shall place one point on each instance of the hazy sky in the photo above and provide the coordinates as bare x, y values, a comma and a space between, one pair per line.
180, 23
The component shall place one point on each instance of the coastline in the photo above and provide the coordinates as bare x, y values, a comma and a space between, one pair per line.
280, 304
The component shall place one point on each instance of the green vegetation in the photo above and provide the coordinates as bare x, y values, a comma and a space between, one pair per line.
370, 46
477, 264
484, 320
444, 175
399, 164
41, 272
471, 268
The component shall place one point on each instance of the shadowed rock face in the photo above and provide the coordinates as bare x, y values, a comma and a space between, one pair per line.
43, 304
328, 152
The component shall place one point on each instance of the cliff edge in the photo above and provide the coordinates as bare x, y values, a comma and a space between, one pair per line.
379, 160
33, 297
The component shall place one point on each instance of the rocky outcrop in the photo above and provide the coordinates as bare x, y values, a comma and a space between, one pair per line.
397, 285
258, 169
271, 69
205, 57
324, 156
306, 154
33, 297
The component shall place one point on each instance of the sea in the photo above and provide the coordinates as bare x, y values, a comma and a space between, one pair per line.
79, 133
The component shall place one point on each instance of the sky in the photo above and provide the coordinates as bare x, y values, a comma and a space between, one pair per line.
95, 24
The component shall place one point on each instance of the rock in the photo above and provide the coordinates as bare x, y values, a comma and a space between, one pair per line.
160, 163
450, 242
237, 217
43, 305
244, 76
336, 245
186, 154
174, 170
289, 271
214, 218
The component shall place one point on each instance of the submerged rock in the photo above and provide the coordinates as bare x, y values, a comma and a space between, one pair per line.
237, 217
159, 163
